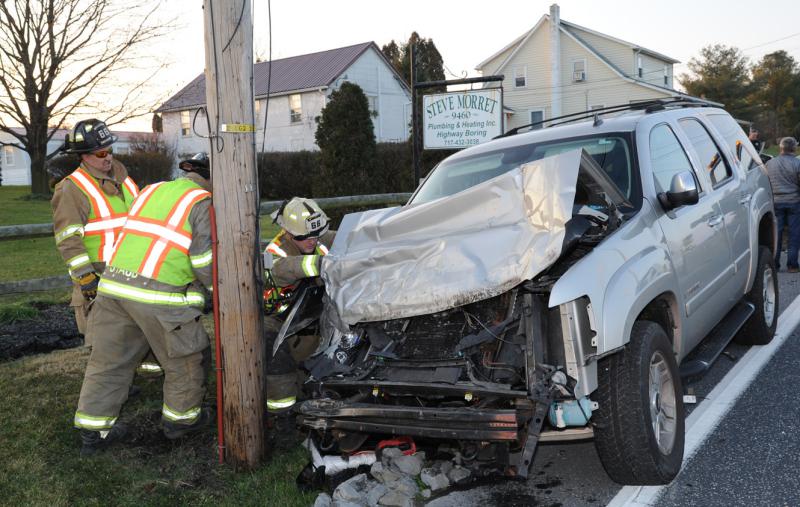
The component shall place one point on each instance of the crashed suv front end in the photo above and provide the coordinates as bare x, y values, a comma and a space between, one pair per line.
436, 322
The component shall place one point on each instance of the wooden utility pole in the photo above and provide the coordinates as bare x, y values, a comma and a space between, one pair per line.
229, 96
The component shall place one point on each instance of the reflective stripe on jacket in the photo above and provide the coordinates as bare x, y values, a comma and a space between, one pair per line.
106, 216
156, 237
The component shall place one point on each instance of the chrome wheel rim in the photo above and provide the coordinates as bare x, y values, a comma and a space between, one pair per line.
663, 406
768, 296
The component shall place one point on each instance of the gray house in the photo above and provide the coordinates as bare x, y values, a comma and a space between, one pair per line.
300, 87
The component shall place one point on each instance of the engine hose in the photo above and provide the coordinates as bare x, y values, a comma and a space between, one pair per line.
217, 341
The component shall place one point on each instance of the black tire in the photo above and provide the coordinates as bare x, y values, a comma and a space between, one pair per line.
624, 435
759, 329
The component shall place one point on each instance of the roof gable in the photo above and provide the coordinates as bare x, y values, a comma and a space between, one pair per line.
303, 72
520, 41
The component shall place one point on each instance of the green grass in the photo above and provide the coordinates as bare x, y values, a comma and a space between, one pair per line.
42, 465
19, 208
23, 259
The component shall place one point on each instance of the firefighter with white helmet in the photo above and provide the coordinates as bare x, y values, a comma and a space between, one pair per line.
297, 251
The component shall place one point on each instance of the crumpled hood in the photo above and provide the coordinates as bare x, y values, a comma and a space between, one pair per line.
420, 259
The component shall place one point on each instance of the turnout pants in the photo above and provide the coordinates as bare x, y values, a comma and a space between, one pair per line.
149, 366
124, 331
283, 373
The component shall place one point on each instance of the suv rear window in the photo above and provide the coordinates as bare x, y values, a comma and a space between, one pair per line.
733, 134
612, 153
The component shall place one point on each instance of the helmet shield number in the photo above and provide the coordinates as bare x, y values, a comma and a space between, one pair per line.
315, 223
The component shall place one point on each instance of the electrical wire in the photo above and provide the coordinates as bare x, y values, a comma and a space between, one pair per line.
236, 28
269, 76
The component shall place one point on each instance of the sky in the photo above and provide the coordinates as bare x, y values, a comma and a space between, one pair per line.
467, 32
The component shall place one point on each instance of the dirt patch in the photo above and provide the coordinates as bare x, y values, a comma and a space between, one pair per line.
52, 329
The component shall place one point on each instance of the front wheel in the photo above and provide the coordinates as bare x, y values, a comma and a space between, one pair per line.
760, 327
639, 430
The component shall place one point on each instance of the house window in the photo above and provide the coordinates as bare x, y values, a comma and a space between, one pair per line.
258, 114
295, 108
640, 72
537, 117
520, 77
579, 71
186, 126
666, 76
8, 156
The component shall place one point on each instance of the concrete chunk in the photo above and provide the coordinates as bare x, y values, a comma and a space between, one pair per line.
323, 500
351, 490
410, 465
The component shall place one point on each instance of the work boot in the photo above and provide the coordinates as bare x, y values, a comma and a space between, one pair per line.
174, 430
93, 441
282, 433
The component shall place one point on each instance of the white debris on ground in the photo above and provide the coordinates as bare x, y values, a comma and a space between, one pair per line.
397, 480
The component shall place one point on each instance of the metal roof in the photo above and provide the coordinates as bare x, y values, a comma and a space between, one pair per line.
302, 72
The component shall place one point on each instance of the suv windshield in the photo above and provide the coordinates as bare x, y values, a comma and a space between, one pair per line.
612, 153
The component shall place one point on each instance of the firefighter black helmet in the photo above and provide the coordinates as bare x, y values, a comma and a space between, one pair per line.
198, 163
88, 136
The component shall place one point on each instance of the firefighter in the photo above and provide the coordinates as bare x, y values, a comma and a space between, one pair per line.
297, 250
89, 207
151, 296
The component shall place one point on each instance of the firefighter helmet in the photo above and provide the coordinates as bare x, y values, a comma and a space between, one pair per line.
88, 136
198, 163
302, 218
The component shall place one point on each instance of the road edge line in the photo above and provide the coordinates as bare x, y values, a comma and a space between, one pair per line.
705, 418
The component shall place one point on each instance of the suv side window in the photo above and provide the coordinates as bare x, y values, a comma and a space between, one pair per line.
734, 136
707, 151
667, 157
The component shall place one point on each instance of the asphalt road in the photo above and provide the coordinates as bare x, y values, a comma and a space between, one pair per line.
749, 459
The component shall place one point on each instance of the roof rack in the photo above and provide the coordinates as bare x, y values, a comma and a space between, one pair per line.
649, 106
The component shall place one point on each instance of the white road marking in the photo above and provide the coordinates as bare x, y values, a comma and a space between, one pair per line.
705, 418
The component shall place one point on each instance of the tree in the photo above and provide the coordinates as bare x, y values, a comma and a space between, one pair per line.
346, 139
60, 58
157, 123
776, 92
720, 74
429, 65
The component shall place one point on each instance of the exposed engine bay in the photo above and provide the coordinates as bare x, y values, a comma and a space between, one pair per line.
486, 376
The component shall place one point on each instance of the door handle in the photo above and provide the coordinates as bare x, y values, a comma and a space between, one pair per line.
715, 221
745, 199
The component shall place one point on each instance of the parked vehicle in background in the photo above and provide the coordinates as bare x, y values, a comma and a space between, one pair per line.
547, 286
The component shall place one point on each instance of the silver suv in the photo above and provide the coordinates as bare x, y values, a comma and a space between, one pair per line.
547, 286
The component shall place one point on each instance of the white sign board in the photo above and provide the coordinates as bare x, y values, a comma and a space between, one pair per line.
461, 119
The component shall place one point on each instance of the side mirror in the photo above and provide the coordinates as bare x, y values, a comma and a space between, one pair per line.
764, 157
682, 192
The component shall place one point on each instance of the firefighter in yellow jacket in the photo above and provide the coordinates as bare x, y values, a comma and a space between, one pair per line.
89, 208
297, 250
151, 296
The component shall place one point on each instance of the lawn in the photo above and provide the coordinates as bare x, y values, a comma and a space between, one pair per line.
17, 208
43, 467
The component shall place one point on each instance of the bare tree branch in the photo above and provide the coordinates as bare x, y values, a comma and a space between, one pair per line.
59, 58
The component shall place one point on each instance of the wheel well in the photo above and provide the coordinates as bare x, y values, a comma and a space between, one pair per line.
766, 232
662, 311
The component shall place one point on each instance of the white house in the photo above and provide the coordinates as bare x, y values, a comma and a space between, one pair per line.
15, 164
299, 88
558, 68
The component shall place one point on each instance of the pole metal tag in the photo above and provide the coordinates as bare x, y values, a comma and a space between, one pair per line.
237, 127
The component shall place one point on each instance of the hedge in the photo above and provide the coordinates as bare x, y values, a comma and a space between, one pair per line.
285, 174
281, 174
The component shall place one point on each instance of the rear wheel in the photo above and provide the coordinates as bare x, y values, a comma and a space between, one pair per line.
640, 419
760, 327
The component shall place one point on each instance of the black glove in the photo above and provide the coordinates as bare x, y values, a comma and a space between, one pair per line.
88, 283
